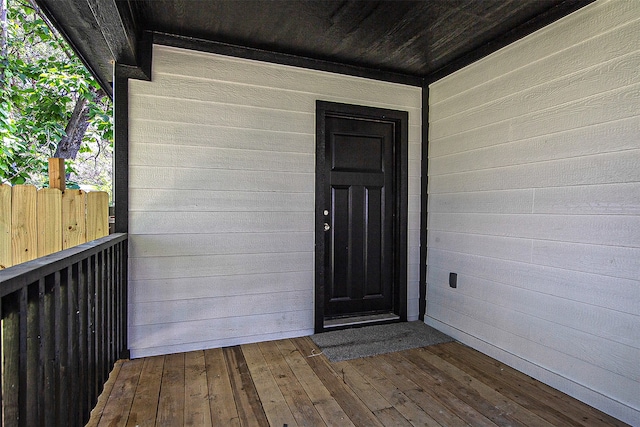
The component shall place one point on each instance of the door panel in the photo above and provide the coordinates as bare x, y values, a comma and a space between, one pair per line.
359, 243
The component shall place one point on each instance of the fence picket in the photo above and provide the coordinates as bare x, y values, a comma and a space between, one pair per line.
23, 223
73, 218
5, 227
97, 215
35, 223
49, 221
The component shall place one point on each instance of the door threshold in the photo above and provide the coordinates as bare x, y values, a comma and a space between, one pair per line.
354, 321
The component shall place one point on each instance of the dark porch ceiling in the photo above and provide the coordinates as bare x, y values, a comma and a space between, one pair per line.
398, 39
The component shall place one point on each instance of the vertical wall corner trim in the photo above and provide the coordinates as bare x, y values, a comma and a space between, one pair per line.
121, 148
422, 300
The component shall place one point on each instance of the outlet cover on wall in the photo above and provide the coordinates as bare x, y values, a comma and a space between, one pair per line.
453, 280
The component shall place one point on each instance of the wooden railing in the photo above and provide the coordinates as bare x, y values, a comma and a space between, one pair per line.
64, 324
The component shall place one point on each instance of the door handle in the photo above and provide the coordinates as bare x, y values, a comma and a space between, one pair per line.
327, 227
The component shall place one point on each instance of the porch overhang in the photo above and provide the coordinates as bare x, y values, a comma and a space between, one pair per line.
409, 41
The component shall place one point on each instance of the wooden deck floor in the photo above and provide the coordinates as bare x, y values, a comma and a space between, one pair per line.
288, 382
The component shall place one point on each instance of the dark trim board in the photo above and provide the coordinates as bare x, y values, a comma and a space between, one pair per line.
424, 180
401, 118
227, 49
121, 148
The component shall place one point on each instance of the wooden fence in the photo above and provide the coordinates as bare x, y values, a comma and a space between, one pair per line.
35, 223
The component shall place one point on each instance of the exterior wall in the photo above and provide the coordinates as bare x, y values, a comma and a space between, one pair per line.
222, 177
534, 201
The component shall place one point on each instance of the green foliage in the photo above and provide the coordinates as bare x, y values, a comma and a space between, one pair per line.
42, 82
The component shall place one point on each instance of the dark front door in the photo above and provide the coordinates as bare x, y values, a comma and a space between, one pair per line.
359, 191
359, 177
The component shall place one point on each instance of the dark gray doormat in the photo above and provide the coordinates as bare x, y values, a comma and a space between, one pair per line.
372, 340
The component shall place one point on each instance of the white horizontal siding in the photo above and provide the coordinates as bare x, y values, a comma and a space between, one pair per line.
534, 201
221, 199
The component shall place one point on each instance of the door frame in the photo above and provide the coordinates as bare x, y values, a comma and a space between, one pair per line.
400, 190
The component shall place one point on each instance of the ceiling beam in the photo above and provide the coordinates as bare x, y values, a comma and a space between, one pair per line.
117, 28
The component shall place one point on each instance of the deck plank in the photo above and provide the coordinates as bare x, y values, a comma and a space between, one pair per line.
291, 382
196, 397
584, 414
363, 388
507, 406
439, 390
117, 409
407, 407
327, 406
247, 400
391, 417
145, 402
273, 402
221, 402
171, 400
351, 404
513, 387
461, 391
301, 406
96, 412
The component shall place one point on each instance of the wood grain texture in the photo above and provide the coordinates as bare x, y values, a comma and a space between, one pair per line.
167, 337
597, 139
171, 401
533, 202
219, 179
74, 231
151, 313
49, 221
217, 67
97, 216
206, 135
220, 222
565, 79
574, 361
222, 178
169, 245
199, 157
222, 405
612, 230
326, 405
6, 255
621, 262
354, 408
597, 322
607, 199
225, 286
196, 406
220, 265
24, 226
220, 200
272, 97
271, 383
273, 402
597, 19
145, 403
610, 168
110, 383
118, 407
299, 403
250, 411
603, 291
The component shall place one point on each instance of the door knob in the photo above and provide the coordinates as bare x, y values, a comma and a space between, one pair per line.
327, 227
